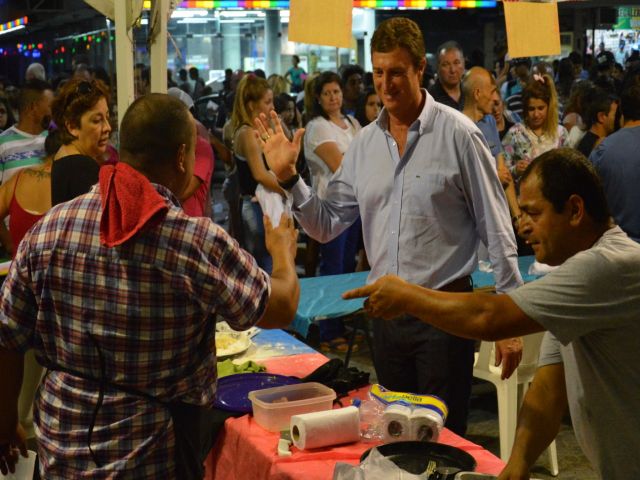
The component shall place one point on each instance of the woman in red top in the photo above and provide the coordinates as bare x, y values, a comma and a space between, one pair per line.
26, 197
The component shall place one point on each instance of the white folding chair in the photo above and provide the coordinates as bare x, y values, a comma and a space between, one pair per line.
511, 391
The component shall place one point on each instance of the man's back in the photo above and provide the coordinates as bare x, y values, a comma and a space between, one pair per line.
616, 160
141, 316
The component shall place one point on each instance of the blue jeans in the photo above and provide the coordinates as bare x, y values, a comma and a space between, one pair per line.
254, 234
338, 256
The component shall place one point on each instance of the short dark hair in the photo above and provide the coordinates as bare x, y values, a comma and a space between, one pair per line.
351, 70
76, 97
281, 102
563, 172
399, 32
575, 58
630, 103
52, 143
152, 131
596, 101
31, 93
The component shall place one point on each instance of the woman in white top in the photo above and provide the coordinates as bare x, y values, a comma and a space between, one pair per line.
326, 139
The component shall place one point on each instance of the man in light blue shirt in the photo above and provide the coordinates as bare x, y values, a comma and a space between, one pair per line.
424, 182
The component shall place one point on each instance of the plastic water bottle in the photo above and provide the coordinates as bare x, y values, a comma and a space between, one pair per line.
370, 417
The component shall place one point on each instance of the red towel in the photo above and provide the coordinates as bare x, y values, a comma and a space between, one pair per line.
129, 203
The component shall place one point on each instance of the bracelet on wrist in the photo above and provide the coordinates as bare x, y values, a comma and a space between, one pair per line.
288, 184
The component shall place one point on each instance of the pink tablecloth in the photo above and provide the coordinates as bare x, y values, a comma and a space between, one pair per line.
247, 451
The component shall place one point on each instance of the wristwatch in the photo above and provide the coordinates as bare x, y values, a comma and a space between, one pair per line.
288, 185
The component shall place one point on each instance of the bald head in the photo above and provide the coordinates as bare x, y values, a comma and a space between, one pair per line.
479, 89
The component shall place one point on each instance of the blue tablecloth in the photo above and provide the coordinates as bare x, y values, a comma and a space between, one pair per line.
485, 279
280, 340
320, 296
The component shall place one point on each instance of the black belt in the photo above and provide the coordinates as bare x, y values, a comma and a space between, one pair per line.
462, 284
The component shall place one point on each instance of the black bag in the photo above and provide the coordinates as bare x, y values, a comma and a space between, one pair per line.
335, 375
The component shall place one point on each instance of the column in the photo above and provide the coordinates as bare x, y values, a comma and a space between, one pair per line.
272, 35
158, 49
124, 60
369, 26
231, 53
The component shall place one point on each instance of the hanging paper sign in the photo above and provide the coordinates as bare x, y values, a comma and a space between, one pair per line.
326, 22
532, 29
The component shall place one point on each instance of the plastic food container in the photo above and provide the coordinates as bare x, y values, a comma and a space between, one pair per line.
273, 407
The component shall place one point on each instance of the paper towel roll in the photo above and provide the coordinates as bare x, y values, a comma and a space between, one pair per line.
396, 423
322, 429
425, 425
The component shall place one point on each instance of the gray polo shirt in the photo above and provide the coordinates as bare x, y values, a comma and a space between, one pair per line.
591, 307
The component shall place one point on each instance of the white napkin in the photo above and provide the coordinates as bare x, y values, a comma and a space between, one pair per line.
273, 205
538, 268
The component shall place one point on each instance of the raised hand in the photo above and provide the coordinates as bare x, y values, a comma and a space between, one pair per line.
282, 239
280, 153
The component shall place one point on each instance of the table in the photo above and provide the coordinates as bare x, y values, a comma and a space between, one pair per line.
245, 450
320, 296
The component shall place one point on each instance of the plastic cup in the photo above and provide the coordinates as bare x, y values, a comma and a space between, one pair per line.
24, 468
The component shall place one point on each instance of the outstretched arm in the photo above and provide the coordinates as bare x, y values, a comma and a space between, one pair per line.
480, 316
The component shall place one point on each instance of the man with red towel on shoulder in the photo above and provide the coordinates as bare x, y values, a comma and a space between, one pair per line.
118, 292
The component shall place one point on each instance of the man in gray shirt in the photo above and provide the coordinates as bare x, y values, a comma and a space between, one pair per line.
425, 185
590, 304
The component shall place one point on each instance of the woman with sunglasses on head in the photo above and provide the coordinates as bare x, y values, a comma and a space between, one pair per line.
81, 112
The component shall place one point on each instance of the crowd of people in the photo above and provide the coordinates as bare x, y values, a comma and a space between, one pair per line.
119, 274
